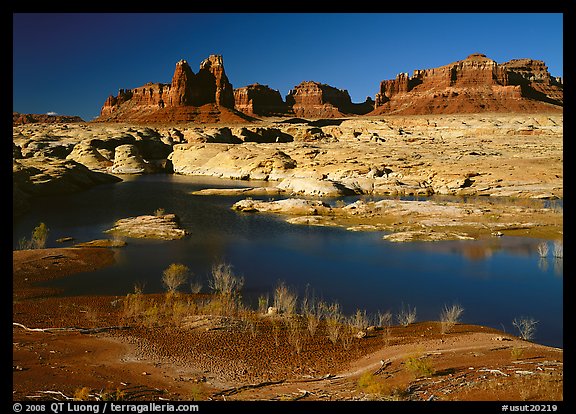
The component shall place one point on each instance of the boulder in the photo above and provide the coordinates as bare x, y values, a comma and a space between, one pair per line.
164, 227
127, 160
314, 187
86, 154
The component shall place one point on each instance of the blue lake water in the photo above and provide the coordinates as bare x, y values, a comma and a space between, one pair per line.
495, 280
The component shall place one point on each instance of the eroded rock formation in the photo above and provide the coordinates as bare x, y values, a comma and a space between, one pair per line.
19, 119
317, 100
207, 96
475, 84
260, 100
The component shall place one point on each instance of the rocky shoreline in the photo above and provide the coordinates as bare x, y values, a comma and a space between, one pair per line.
92, 348
473, 157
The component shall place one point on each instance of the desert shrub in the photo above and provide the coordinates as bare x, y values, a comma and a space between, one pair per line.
406, 316
152, 315
347, 332
371, 384
175, 276
385, 322
333, 317
224, 281
285, 299
526, 327
263, 301
81, 394
227, 286
377, 389
37, 240
360, 320
134, 304
312, 312
195, 287
449, 317
293, 334
516, 353
420, 366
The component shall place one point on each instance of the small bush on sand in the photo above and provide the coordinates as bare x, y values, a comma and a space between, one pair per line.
285, 299
406, 316
360, 320
420, 366
449, 317
385, 322
134, 303
526, 327
312, 312
37, 239
333, 317
370, 384
175, 276
227, 286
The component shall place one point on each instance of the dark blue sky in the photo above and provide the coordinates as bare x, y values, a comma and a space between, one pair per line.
69, 63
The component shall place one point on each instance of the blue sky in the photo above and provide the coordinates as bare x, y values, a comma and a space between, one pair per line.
69, 63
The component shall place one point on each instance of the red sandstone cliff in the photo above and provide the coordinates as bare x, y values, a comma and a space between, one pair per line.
475, 84
318, 100
207, 96
260, 100
18, 118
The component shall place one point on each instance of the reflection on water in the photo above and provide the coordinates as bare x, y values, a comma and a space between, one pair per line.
495, 280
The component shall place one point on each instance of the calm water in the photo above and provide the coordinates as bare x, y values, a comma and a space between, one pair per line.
495, 280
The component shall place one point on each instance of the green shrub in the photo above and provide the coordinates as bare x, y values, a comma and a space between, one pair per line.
420, 366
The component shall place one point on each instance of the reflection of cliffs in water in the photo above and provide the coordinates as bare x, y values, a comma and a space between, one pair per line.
357, 269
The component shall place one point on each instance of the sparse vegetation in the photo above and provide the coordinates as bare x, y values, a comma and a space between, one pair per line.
175, 276
312, 312
406, 316
449, 317
285, 299
370, 384
360, 320
526, 327
516, 353
333, 317
227, 286
420, 366
385, 322
37, 240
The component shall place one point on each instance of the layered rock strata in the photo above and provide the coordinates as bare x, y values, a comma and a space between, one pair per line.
19, 119
317, 100
207, 96
475, 84
260, 100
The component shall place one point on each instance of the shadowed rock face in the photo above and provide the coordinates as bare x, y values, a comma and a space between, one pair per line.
207, 96
261, 100
475, 84
318, 100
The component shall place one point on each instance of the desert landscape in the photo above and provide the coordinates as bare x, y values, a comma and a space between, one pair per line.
468, 151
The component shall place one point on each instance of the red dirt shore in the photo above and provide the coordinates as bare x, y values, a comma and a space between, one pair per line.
88, 348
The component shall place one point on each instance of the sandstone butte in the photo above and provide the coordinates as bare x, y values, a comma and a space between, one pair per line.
475, 84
